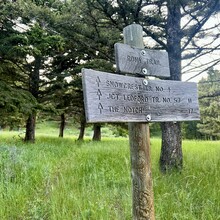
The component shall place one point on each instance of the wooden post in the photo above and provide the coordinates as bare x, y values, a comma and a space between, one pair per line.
139, 138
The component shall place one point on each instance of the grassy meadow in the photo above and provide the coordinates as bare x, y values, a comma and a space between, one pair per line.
63, 179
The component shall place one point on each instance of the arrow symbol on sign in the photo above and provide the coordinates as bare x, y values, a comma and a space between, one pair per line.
100, 107
98, 80
99, 93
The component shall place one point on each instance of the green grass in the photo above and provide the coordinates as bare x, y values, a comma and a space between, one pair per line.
59, 178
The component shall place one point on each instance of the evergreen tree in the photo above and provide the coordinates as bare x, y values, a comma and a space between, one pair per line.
209, 92
43, 46
190, 130
15, 101
29, 45
86, 46
15, 104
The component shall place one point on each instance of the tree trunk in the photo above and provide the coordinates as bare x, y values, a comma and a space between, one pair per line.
30, 129
3, 126
97, 132
34, 80
82, 130
171, 150
171, 157
62, 124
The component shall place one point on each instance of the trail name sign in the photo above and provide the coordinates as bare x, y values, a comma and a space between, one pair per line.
141, 61
117, 98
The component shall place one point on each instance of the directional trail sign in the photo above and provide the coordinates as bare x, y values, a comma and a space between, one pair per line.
117, 98
141, 61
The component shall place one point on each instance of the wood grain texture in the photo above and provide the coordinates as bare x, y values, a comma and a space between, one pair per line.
117, 98
142, 190
141, 61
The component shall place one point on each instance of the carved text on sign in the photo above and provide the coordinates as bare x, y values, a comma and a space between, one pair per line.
140, 60
117, 98
134, 60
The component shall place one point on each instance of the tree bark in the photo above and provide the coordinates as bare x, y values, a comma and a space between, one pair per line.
34, 80
62, 124
97, 132
82, 130
171, 157
142, 190
171, 150
30, 129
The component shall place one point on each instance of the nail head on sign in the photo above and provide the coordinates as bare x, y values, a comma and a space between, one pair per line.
144, 71
148, 117
143, 52
145, 82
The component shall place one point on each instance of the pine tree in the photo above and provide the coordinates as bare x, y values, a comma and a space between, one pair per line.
209, 92
15, 101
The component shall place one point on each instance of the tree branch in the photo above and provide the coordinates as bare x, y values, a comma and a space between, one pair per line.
200, 24
216, 94
206, 69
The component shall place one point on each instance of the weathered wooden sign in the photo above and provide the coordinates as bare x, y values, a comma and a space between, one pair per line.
117, 98
141, 61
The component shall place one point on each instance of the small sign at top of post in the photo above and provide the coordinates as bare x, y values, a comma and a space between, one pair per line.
143, 62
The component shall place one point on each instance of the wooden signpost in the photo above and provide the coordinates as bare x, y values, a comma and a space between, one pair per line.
117, 98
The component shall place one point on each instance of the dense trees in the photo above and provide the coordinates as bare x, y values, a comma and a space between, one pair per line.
44, 46
16, 102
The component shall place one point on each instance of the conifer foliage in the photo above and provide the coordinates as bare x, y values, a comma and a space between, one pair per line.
209, 91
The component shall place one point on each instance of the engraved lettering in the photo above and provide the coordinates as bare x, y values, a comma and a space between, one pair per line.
114, 84
98, 80
99, 94
189, 100
114, 96
159, 88
165, 99
120, 85
148, 88
177, 100
191, 111
113, 108
128, 109
155, 99
136, 98
152, 62
129, 86
134, 59
100, 107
